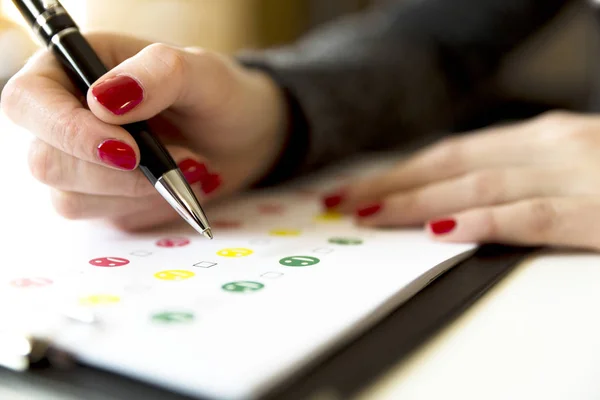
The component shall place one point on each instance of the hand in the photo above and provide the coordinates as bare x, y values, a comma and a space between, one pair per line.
533, 183
223, 124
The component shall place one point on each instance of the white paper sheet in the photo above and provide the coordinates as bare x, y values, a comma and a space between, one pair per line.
279, 285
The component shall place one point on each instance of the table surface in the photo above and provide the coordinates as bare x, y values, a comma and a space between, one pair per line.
533, 336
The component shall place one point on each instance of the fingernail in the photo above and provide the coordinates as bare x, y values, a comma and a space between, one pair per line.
193, 171
442, 226
119, 95
333, 201
368, 211
117, 154
210, 183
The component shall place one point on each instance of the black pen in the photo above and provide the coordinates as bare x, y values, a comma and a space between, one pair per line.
56, 29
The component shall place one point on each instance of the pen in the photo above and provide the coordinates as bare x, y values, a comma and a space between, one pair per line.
56, 29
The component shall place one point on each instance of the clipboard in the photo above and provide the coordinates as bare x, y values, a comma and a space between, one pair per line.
340, 374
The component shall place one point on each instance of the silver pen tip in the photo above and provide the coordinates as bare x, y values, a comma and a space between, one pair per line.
174, 188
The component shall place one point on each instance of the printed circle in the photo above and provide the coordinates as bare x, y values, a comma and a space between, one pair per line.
173, 317
109, 262
24, 283
344, 241
174, 275
235, 252
243, 287
329, 216
173, 242
299, 261
99, 299
284, 232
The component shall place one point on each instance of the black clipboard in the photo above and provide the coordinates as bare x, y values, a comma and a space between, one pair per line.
339, 375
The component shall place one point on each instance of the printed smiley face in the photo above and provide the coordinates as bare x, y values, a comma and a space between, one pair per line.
174, 275
109, 262
99, 299
235, 252
299, 261
329, 216
31, 283
172, 317
284, 232
173, 242
346, 241
243, 287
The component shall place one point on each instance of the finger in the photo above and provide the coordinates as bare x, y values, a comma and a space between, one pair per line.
67, 173
157, 78
45, 108
558, 221
43, 100
501, 146
483, 188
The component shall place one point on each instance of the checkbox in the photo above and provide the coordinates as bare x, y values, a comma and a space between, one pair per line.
141, 253
272, 275
205, 264
323, 250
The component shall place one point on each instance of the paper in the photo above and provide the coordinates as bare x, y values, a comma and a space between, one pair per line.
281, 283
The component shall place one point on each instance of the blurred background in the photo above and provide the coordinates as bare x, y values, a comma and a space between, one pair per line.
222, 25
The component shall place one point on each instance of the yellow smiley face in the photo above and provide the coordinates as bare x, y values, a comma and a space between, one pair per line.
329, 216
235, 252
174, 275
99, 299
285, 232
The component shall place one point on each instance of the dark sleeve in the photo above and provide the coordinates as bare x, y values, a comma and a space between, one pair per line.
374, 80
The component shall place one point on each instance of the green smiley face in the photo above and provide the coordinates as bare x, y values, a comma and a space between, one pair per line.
299, 261
243, 287
344, 241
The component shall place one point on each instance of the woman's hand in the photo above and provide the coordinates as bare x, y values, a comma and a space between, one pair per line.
224, 126
533, 183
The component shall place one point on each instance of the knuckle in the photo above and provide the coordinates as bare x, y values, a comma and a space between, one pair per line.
542, 217
12, 95
42, 164
67, 205
447, 154
553, 118
171, 58
486, 187
67, 130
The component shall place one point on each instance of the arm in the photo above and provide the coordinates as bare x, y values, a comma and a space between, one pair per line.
375, 80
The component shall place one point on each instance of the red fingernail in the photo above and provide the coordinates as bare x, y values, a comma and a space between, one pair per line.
193, 171
119, 94
210, 183
117, 154
442, 226
333, 200
369, 211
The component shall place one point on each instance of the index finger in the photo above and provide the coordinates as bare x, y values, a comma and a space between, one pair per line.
42, 99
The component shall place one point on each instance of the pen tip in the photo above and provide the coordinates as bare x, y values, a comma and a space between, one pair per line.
208, 233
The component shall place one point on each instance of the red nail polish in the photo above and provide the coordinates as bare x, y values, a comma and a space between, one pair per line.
369, 211
117, 154
193, 171
442, 226
210, 183
119, 95
333, 201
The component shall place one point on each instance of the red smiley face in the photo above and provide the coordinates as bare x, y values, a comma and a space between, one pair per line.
173, 242
109, 262
31, 282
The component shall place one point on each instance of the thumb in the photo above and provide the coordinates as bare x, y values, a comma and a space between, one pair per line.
161, 77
